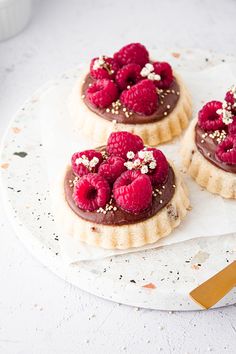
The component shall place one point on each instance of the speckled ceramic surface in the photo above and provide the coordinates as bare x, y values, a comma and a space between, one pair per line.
157, 279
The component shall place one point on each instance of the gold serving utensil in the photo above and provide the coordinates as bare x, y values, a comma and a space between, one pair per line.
214, 289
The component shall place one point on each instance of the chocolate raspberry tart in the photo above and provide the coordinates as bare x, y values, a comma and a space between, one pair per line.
121, 195
129, 92
209, 146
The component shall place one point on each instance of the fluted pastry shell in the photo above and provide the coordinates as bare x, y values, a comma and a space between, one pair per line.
98, 129
205, 173
123, 236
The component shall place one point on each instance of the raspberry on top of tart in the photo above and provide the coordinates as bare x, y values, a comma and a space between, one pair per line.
129, 86
209, 146
123, 176
215, 132
122, 194
130, 89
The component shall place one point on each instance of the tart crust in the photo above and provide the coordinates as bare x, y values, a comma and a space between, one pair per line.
98, 129
124, 236
207, 175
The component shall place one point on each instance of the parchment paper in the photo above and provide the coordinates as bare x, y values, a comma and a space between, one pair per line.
210, 215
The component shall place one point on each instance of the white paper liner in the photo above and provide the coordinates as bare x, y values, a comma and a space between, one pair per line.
211, 215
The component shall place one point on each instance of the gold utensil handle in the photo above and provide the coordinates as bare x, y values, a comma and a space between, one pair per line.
215, 288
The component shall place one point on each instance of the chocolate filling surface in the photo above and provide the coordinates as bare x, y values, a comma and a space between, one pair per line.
120, 216
168, 99
207, 147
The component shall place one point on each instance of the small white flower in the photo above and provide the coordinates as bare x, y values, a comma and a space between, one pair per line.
129, 165
93, 162
157, 77
219, 111
224, 104
85, 163
152, 165
148, 156
98, 63
130, 155
144, 72
227, 117
141, 154
137, 162
78, 160
151, 76
144, 169
149, 66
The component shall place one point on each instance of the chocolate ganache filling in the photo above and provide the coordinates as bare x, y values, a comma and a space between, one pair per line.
167, 99
207, 146
117, 216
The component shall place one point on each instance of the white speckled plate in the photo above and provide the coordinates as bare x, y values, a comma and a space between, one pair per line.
172, 271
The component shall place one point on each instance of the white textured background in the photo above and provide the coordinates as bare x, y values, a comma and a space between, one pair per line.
40, 313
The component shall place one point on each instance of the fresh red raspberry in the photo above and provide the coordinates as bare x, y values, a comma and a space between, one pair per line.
165, 71
91, 192
157, 175
112, 168
232, 127
229, 98
226, 150
102, 93
133, 191
128, 75
119, 143
132, 53
105, 70
141, 98
208, 118
85, 162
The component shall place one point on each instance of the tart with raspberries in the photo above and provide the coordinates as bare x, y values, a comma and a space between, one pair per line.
130, 92
209, 146
120, 195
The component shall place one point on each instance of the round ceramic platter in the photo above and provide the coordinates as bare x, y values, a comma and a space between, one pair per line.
155, 279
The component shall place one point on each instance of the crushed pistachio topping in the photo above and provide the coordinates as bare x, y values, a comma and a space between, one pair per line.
108, 207
144, 162
90, 164
219, 135
116, 107
148, 72
73, 182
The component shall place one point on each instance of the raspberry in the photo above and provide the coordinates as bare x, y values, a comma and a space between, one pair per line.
159, 173
165, 71
86, 161
141, 98
103, 68
226, 150
119, 143
232, 127
229, 97
208, 118
112, 168
102, 93
128, 75
91, 192
133, 191
132, 53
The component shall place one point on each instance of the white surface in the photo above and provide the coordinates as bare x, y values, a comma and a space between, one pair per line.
14, 15
62, 320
